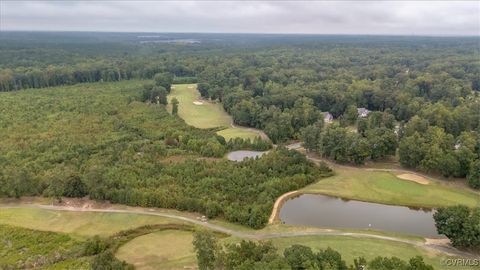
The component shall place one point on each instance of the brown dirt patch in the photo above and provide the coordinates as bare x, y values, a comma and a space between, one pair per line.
415, 178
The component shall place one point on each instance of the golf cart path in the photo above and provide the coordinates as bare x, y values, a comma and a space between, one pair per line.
446, 249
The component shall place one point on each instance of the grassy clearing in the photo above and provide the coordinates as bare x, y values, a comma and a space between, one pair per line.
230, 133
170, 249
385, 187
77, 223
207, 115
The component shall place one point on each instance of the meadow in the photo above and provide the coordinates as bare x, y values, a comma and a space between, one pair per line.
206, 114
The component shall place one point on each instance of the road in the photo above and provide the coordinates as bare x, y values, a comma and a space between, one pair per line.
446, 249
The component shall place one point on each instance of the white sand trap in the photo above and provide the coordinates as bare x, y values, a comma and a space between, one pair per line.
190, 87
198, 103
415, 178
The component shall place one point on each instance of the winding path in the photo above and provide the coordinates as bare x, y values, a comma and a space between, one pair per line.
446, 249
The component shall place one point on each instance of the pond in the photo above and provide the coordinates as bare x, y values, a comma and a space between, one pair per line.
331, 212
243, 154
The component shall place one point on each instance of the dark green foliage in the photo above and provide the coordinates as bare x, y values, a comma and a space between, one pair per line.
204, 88
474, 175
207, 249
460, 224
257, 144
174, 102
300, 257
96, 245
394, 263
107, 261
164, 80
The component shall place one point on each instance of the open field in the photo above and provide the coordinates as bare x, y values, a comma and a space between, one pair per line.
205, 114
77, 223
387, 188
170, 249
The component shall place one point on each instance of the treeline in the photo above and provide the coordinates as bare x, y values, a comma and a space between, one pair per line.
420, 145
250, 255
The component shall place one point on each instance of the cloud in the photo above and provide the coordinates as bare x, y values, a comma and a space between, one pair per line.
316, 17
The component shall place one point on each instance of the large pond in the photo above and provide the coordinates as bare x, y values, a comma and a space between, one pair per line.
326, 211
241, 155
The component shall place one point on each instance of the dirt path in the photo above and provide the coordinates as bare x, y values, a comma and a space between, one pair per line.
434, 246
278, 204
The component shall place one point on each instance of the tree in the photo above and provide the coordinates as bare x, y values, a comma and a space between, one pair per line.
350, 115
460, 224
330, 259
382, 142
174, 102
474, 174
164, 79
310, 136
417, 263
207, 249
300, 257
384, 263
203, 88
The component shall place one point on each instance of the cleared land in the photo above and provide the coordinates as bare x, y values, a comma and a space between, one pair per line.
206, 114
385, 187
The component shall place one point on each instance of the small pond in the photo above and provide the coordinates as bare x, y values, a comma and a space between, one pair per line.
326, 211
243, 154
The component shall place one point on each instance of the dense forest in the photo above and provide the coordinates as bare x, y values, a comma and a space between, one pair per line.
423, 92
101, 140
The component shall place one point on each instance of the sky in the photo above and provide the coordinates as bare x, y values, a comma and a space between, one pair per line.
436, 18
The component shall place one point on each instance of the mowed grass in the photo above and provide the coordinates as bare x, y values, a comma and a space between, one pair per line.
207, 115
230, 133
170, 249
385, 187
78, 223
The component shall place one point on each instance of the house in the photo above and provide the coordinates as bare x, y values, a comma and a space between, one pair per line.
327, 117
362, 112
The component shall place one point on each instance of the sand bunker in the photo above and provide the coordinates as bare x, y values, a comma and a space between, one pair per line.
415, 178
198, 103
190, 87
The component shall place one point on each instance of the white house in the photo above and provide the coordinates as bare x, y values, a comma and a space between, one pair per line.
327, 117
362, 112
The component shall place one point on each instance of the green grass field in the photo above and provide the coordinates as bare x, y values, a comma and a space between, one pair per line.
170, 249
207, 115
385, 187
76, 223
